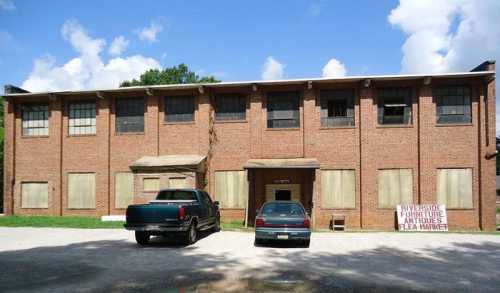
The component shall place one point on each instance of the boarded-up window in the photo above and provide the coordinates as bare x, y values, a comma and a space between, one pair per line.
129, 115
82, 118
395, 186
177, 182
179, 108
338, 189
151, 184
454, 188
35, 120
124, 189
81, 191
230, 107
231, 188
283, 110
35, 195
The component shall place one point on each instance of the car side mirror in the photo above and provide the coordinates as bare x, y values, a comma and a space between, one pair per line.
257, 211
216, 203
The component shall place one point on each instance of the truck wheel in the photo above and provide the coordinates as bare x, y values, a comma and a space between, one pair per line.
192, 234
142, 237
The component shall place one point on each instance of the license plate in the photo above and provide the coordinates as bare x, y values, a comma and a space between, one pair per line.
283, 237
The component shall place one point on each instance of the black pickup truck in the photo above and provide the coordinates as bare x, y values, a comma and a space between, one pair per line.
180, 211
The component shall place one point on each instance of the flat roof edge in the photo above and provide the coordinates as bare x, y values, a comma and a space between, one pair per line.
394, 77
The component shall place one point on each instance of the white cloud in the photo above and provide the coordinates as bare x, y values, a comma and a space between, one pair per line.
87, 70
433, 45
149, 33
118, 45
7, 5
272, 69
334, 68
448, 35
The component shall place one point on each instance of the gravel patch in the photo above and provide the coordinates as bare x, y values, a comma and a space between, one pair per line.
86, 260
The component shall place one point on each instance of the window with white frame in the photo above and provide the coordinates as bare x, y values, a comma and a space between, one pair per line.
35, 120
82, 118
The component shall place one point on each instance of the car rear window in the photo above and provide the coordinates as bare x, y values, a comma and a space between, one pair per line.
282, 209
176, 195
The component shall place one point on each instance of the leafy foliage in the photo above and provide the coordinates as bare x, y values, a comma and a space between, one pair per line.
170, 75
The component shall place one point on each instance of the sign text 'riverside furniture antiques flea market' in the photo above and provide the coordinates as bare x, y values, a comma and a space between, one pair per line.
425, 217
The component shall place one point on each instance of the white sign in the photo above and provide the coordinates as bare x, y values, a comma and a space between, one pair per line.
424, 217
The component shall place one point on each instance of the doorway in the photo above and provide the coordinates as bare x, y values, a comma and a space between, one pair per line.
283, 194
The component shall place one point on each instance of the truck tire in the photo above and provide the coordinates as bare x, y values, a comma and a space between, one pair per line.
192, 234
142, 237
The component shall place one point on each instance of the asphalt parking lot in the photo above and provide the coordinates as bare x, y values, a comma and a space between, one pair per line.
81, 260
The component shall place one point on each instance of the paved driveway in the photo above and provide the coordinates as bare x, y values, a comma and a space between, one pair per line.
73, 260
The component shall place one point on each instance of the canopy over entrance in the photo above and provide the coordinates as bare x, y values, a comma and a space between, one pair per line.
192, 163
298, 163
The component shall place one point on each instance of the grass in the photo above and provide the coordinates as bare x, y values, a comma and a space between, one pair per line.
57, 222
235, 226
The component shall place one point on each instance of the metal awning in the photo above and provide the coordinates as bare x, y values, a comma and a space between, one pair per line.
299, 163
170, 162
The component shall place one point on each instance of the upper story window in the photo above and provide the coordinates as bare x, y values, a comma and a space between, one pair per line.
283, 110
82, 118
230, 107
179, 108
394, 105
453, 104
129, 115
337, 108
35, 120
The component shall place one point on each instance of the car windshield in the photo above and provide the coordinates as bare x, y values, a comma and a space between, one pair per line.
282, 209
176, 195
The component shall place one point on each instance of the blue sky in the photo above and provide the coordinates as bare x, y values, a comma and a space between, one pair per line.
231, 39
63, 45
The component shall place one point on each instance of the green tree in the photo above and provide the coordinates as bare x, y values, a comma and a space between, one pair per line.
170, 75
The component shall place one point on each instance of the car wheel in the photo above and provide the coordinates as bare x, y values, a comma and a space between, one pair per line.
217, 224
142, 237
306, 242
192, 234
258, 242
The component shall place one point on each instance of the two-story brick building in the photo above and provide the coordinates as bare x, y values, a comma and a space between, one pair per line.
353, 146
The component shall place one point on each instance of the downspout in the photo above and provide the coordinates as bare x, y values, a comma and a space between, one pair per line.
419, 172
110, 105
13, 179
479, 165
61, 153
360, 164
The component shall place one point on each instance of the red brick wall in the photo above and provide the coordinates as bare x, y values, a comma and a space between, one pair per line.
366, 147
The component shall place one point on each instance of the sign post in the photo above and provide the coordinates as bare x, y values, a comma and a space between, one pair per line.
424, 217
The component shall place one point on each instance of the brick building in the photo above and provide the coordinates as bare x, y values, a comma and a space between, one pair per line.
352, 146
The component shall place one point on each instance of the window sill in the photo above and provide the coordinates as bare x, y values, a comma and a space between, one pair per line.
395, 126
80, 135
24, 208
34, 136
81, 209
453, 124
179, 123
339, 209
230, 121
128, 133
284, 129
459, 209
336, 127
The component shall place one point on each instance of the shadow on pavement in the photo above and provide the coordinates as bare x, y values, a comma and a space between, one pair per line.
121, 266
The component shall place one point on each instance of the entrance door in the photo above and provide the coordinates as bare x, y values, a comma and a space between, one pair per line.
283, 194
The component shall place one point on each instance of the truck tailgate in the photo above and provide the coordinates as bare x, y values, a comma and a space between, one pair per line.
153, 213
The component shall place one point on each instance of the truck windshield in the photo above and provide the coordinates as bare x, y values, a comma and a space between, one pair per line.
176, 195
282, 209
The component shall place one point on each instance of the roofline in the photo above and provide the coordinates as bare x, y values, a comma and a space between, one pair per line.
394, 77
